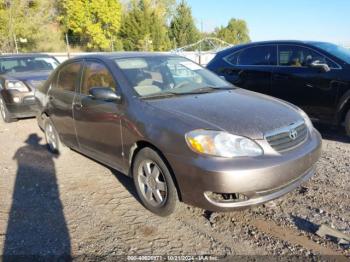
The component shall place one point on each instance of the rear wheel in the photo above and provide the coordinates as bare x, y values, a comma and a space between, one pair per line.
154, 183
53, 141
5, 113
347, 123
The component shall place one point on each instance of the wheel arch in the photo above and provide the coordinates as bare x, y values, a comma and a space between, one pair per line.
41, 117
136, 147
343, 108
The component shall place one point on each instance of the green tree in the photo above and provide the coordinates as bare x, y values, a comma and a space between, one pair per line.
182, 27
159, 29
144, 26
95, 23
29, 24
5, 38
236, 32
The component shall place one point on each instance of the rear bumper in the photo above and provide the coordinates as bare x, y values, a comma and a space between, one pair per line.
259, 179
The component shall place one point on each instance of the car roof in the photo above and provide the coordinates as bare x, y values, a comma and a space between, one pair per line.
270, 42
24, 55
116, 55
251, 44
280, 42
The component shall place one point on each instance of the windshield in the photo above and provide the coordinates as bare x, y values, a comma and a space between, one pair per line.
335, 50
159, 75
24, 64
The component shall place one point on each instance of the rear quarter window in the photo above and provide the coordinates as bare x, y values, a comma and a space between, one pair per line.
265, 55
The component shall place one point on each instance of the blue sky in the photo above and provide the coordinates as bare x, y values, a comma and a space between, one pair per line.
326, 20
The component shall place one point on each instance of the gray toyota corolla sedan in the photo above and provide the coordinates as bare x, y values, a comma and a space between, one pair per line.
181, 132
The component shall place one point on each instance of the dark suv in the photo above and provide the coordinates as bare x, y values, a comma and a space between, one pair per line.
312, 75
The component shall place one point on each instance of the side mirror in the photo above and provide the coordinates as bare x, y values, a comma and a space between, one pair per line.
319, 65
104, 93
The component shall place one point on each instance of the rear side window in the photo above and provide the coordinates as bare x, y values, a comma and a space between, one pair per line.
68, 77
299, 56
233, 58
97, 75
254, 56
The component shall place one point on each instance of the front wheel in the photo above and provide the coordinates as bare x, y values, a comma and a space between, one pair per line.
154, 183
347, 123
5, 113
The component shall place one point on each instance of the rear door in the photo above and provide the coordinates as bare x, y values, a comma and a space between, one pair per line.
312, 89
98, 122
251, 68
61, 97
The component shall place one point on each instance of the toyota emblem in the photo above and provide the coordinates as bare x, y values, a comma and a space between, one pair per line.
293, 134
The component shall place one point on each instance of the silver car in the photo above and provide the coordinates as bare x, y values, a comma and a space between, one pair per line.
180, 131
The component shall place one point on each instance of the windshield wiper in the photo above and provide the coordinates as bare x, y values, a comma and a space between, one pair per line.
160, 95
222, 87
208, 89
202, 90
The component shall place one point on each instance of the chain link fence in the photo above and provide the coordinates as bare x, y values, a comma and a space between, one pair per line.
73, 46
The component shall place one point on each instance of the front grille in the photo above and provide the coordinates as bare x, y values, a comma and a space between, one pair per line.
29, 100
287, 138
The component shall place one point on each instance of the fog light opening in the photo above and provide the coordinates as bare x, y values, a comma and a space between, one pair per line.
16, 99
226, 197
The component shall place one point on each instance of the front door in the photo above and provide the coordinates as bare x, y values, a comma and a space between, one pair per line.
312, 89
98, 122
61, 96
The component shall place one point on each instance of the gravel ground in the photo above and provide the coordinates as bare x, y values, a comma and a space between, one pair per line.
72, 205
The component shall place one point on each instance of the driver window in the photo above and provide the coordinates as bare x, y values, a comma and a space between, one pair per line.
298, 56
96, 75
68, 77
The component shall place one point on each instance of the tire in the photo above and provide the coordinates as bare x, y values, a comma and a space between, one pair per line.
5, 113
347, 123
154, 183
53, 141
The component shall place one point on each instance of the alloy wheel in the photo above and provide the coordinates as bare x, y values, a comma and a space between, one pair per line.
2, 109
152, 183
51, 137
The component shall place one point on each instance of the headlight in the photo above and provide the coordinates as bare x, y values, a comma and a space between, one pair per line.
221, 144
16, 85
306, 119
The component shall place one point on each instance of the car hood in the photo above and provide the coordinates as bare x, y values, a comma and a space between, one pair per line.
33, 79
28, 75
239, 111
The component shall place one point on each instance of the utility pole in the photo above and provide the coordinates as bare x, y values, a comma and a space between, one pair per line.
11, 34
200, 44
67, 43
112, 44
15, 40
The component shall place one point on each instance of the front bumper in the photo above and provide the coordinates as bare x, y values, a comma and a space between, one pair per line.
22, 110
259, 179
25, 107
